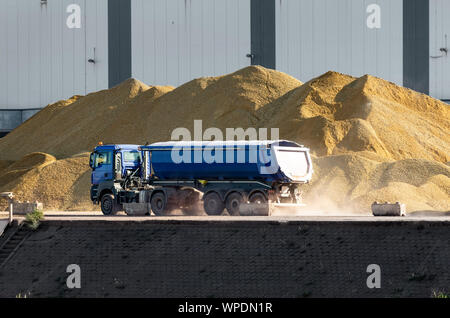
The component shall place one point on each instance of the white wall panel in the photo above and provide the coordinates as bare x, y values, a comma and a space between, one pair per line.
23, 49
3, 54
175, 41
315, 36
12, 52
33, 62
42, 60
96, 45
439, 38
56, 76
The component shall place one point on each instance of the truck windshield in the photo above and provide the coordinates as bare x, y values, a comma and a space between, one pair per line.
103, 158
133, 156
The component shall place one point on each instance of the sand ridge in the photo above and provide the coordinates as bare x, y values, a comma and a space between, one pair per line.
371, 139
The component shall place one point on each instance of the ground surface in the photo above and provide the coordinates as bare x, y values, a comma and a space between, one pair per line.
306, 216
306, 256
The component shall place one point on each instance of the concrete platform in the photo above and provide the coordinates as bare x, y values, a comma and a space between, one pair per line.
306, 217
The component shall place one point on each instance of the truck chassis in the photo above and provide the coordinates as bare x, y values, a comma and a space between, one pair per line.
248, 198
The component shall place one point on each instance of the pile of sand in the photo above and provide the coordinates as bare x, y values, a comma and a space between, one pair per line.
133, 112
70, 127
58, 184
336, 114
351, 182
373, 139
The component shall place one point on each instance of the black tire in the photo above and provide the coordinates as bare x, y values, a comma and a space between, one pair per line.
159, 204
109, 205
233, 203
259, 204
213, 204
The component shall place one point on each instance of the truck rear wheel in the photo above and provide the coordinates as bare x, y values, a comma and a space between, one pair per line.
213, 204
159, 204
259, 204
234, 201
109, 205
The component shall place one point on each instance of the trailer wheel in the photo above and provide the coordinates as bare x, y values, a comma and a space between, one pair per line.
234, 201
213, 204
158, 203
109, 205
259, 204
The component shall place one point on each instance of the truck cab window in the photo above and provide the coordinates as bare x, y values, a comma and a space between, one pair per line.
103, 158
132, 156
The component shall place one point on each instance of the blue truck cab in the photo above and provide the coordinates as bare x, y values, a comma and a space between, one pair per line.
111, 166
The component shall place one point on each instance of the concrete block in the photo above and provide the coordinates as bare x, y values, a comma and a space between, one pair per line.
26, 207
388, 209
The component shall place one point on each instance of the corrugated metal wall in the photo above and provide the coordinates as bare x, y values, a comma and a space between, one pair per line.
42, 60
439, 38
315, 36
174, 41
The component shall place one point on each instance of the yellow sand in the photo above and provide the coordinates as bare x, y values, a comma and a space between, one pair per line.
351, 182
58, 184
373, 139
133, 112
335, 114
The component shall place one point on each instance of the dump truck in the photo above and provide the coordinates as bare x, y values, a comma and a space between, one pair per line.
241, 177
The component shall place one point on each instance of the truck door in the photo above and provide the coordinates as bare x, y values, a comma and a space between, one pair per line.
103, 167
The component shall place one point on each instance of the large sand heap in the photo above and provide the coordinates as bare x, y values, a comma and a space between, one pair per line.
223, 102
351, 182
133, 112
372, 137
336, 113
70, 127
58, 184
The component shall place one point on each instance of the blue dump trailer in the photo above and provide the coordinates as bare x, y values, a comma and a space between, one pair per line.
241, 177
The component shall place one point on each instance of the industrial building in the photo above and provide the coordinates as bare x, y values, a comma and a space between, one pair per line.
54, 49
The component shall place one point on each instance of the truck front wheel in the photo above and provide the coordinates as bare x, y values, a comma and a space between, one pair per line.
109, 205
158, 203
213, 204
